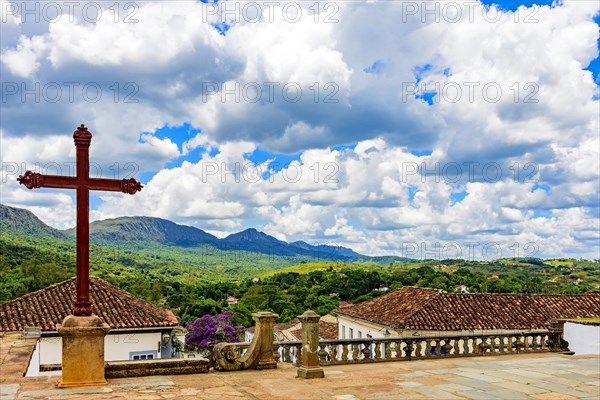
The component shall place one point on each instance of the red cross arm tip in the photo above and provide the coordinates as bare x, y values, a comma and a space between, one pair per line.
33, 180
130, 185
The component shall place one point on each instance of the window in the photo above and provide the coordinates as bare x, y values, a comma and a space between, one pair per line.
343, 332
359, 334
351, 333
143, 355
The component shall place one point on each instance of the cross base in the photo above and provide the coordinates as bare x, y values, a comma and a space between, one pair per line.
82, 351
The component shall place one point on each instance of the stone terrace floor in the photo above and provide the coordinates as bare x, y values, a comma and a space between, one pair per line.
535, 376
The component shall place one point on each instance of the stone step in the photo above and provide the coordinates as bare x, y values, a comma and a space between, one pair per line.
167, 366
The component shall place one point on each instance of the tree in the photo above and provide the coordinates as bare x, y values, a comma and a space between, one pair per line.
209, 330
190, 311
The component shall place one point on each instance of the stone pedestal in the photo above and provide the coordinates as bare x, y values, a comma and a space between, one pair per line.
82, 351
264, 328
311, 367
310, 373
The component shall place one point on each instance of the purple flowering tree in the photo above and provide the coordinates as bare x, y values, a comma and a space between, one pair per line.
208, 330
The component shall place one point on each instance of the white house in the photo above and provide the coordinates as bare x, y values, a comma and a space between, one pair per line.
139, 330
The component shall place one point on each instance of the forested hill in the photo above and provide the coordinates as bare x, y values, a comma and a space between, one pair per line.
144, 232
23, 222
140, 229
137, 230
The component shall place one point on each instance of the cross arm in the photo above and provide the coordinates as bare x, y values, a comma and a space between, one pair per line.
33, 180
130, 185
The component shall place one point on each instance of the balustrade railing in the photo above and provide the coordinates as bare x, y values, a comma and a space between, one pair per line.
264, 353
367, 350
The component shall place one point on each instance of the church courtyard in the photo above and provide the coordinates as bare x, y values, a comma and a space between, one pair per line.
532, 376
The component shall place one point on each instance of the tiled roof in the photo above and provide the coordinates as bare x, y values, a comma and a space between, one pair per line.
428, 309
328, 329
292, 330
48, 307
393, 308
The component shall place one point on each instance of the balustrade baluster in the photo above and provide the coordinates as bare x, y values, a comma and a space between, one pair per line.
355, 352
345, 352
298, 355
427, 348
334, 353
378, 350
408, 349
545, 342
366, 351
323, 354
419, 349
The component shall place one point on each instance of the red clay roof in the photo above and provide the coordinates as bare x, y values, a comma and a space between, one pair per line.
48, 307
429, 309
393, 308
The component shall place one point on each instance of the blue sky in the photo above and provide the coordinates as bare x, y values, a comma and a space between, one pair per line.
320, 127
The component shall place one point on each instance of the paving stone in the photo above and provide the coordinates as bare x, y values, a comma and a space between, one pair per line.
509, 394
511, 377
64, 392
443, 371
476, 385
575, 376
454, 387
410, 384
435, 393
519, 387
553, 396
416, 374
527, 373
479, 377
558, 388
479, 395
8, 388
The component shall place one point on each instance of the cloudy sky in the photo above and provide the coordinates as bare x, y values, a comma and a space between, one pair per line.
464, 128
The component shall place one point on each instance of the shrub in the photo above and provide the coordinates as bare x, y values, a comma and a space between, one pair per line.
204, 332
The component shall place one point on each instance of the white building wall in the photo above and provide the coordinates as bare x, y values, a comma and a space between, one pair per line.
358, 329
583, 339
34, 362
117, 347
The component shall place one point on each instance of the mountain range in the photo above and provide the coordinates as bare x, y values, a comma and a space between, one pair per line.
145, 232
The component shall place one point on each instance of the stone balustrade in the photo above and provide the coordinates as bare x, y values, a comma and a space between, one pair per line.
366, 350
263, 352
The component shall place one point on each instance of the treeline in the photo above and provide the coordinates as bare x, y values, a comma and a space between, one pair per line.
28, 265
290, 294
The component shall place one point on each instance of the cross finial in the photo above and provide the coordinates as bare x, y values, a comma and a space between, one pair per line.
82, 136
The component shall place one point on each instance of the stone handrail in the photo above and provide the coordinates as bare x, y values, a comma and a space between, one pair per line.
264, 352
407, 348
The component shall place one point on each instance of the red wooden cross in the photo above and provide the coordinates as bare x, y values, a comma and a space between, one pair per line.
83, 184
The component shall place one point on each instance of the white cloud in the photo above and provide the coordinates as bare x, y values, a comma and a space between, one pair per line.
370, 197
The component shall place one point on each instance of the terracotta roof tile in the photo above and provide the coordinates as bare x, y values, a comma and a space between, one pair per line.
428, 309
391, 309
327, 330
48, 307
